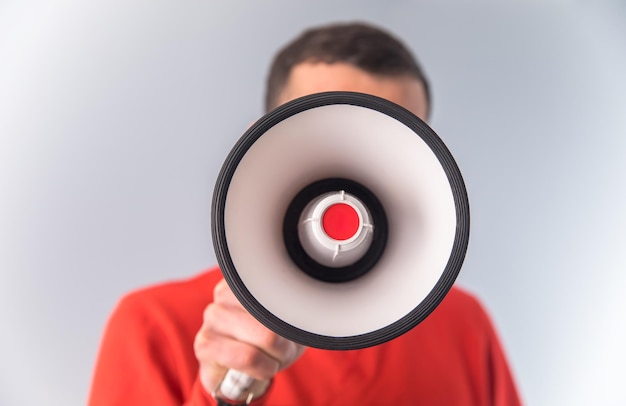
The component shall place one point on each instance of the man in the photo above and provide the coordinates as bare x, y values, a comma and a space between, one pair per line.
172, 344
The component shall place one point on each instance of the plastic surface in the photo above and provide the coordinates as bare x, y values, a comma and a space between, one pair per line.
400, 160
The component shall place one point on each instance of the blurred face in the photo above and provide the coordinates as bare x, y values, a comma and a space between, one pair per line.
308, 78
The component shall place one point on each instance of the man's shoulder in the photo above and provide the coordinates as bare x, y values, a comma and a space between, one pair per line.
199, 285
173, 300
460, 296
462, 309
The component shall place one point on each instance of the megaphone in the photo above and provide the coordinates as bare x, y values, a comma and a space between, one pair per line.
340, 220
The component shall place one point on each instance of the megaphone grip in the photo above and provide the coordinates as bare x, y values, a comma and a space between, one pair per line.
236, 386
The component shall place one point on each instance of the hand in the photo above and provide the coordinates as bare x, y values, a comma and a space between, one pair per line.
231, 338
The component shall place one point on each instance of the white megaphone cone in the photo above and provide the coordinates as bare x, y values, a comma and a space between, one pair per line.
340, 221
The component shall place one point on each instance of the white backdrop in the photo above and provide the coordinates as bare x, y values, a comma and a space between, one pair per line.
115, 117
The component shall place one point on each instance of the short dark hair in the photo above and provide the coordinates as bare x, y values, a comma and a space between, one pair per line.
362, 45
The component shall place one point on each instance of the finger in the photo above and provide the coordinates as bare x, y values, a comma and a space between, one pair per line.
230, 318
219, 353
224, 295
239, 325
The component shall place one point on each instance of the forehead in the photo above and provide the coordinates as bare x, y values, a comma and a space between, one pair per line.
308, 78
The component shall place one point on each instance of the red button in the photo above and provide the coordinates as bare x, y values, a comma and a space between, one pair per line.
340, 221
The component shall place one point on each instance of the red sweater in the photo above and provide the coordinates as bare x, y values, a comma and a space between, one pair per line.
453, 358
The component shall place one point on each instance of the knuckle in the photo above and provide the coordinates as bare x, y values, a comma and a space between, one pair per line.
248, 356
210, 315
269, 340
220, 290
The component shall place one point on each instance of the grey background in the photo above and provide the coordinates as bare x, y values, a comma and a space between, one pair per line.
115, 117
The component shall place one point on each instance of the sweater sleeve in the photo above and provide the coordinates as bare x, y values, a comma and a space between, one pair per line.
503, 389
137, 363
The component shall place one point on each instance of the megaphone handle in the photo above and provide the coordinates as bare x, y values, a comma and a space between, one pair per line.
235, 385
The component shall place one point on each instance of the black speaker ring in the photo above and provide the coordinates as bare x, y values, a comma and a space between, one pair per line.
313, 268
440, 289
